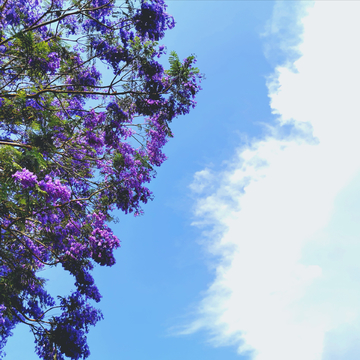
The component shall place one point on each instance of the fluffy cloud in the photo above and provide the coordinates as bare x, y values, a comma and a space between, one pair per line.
285, 215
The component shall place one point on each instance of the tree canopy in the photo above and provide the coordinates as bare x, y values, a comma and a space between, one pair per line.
85, 108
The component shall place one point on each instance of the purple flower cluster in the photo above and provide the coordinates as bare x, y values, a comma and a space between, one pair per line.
6, 327
68, 333
102, 241
26, 178
55, 190
16, 12
53, 62
157, 139
151, 21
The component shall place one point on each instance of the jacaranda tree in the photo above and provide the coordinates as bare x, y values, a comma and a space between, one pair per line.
85, 109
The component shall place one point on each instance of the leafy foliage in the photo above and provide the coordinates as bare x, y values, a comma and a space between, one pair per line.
75, 146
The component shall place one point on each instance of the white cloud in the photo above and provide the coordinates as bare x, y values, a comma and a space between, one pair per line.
286, 214
202, 180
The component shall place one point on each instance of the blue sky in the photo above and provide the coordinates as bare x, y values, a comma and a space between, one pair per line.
250, 247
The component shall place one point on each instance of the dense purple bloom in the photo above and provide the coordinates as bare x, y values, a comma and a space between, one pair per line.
26, 178
102, 241
34, 104
151, 20
55, 189
157, 139
53, 63
6, 327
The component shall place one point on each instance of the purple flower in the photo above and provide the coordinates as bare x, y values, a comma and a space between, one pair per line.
55, 189
54, 62
151, 20
26, 178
